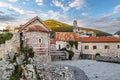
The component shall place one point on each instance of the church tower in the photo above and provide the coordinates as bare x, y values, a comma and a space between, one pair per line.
75, 26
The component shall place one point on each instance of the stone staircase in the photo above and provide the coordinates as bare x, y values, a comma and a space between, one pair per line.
76, 57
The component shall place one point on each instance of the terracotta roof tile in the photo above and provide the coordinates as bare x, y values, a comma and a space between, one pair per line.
64, 36
36, 28
97, 39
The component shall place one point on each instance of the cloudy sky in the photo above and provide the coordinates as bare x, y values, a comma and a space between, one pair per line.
98, 14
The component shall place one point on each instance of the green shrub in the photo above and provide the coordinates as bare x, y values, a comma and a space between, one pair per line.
5, 36
63, 49
71, 43
76, 44
0, 59
71, 54
27, 51
12, 61
20, 70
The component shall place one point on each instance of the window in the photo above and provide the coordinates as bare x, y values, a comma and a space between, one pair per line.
40, 40
107, 47
118, 46
94, 47
86, 47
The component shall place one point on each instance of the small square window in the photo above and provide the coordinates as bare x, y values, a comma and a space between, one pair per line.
107, 47
94, 47
86, 47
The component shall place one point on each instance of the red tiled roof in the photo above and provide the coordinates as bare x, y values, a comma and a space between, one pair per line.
64, 36
97, 39
52, 41
36, 28
46, 29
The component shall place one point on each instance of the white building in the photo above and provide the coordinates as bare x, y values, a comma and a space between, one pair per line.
105, 46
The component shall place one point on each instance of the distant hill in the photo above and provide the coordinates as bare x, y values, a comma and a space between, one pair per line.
57, 26
117, 33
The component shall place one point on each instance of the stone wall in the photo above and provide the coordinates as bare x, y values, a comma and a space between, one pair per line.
2, 50
108, 59
39, 41
10, 45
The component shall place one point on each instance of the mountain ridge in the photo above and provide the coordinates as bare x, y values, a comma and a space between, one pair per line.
57, 26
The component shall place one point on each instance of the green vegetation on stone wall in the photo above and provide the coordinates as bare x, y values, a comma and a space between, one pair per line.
5, 36
71, 53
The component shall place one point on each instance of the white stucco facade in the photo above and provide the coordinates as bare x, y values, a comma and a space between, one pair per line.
112, 50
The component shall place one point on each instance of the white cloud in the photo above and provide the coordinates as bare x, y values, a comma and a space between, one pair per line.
78, 4
60, 4
30, 13
17, 9
54, 15
24, 3
65, 6
116, 9
84, 14
2, 4
12, 0
39, 2
20, 11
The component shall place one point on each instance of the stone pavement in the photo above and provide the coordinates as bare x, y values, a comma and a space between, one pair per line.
78, 73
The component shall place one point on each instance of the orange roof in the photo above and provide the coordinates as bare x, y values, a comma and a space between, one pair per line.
64, 36
97, 39
36, 28
52, 41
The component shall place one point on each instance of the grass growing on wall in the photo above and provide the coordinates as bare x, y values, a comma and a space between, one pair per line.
5, 36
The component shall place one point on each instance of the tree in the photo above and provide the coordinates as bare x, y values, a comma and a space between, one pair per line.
71, 43
8, 28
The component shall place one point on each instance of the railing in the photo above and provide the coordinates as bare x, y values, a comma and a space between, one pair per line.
59, 55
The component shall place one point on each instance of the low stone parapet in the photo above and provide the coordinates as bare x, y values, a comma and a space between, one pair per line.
108, 59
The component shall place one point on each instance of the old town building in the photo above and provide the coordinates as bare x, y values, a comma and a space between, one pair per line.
34, 33
104, 46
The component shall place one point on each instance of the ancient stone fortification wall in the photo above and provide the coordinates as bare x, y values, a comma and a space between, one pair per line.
10, 45
2, 49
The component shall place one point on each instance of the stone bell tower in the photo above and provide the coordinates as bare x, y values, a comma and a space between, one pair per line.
75, 26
